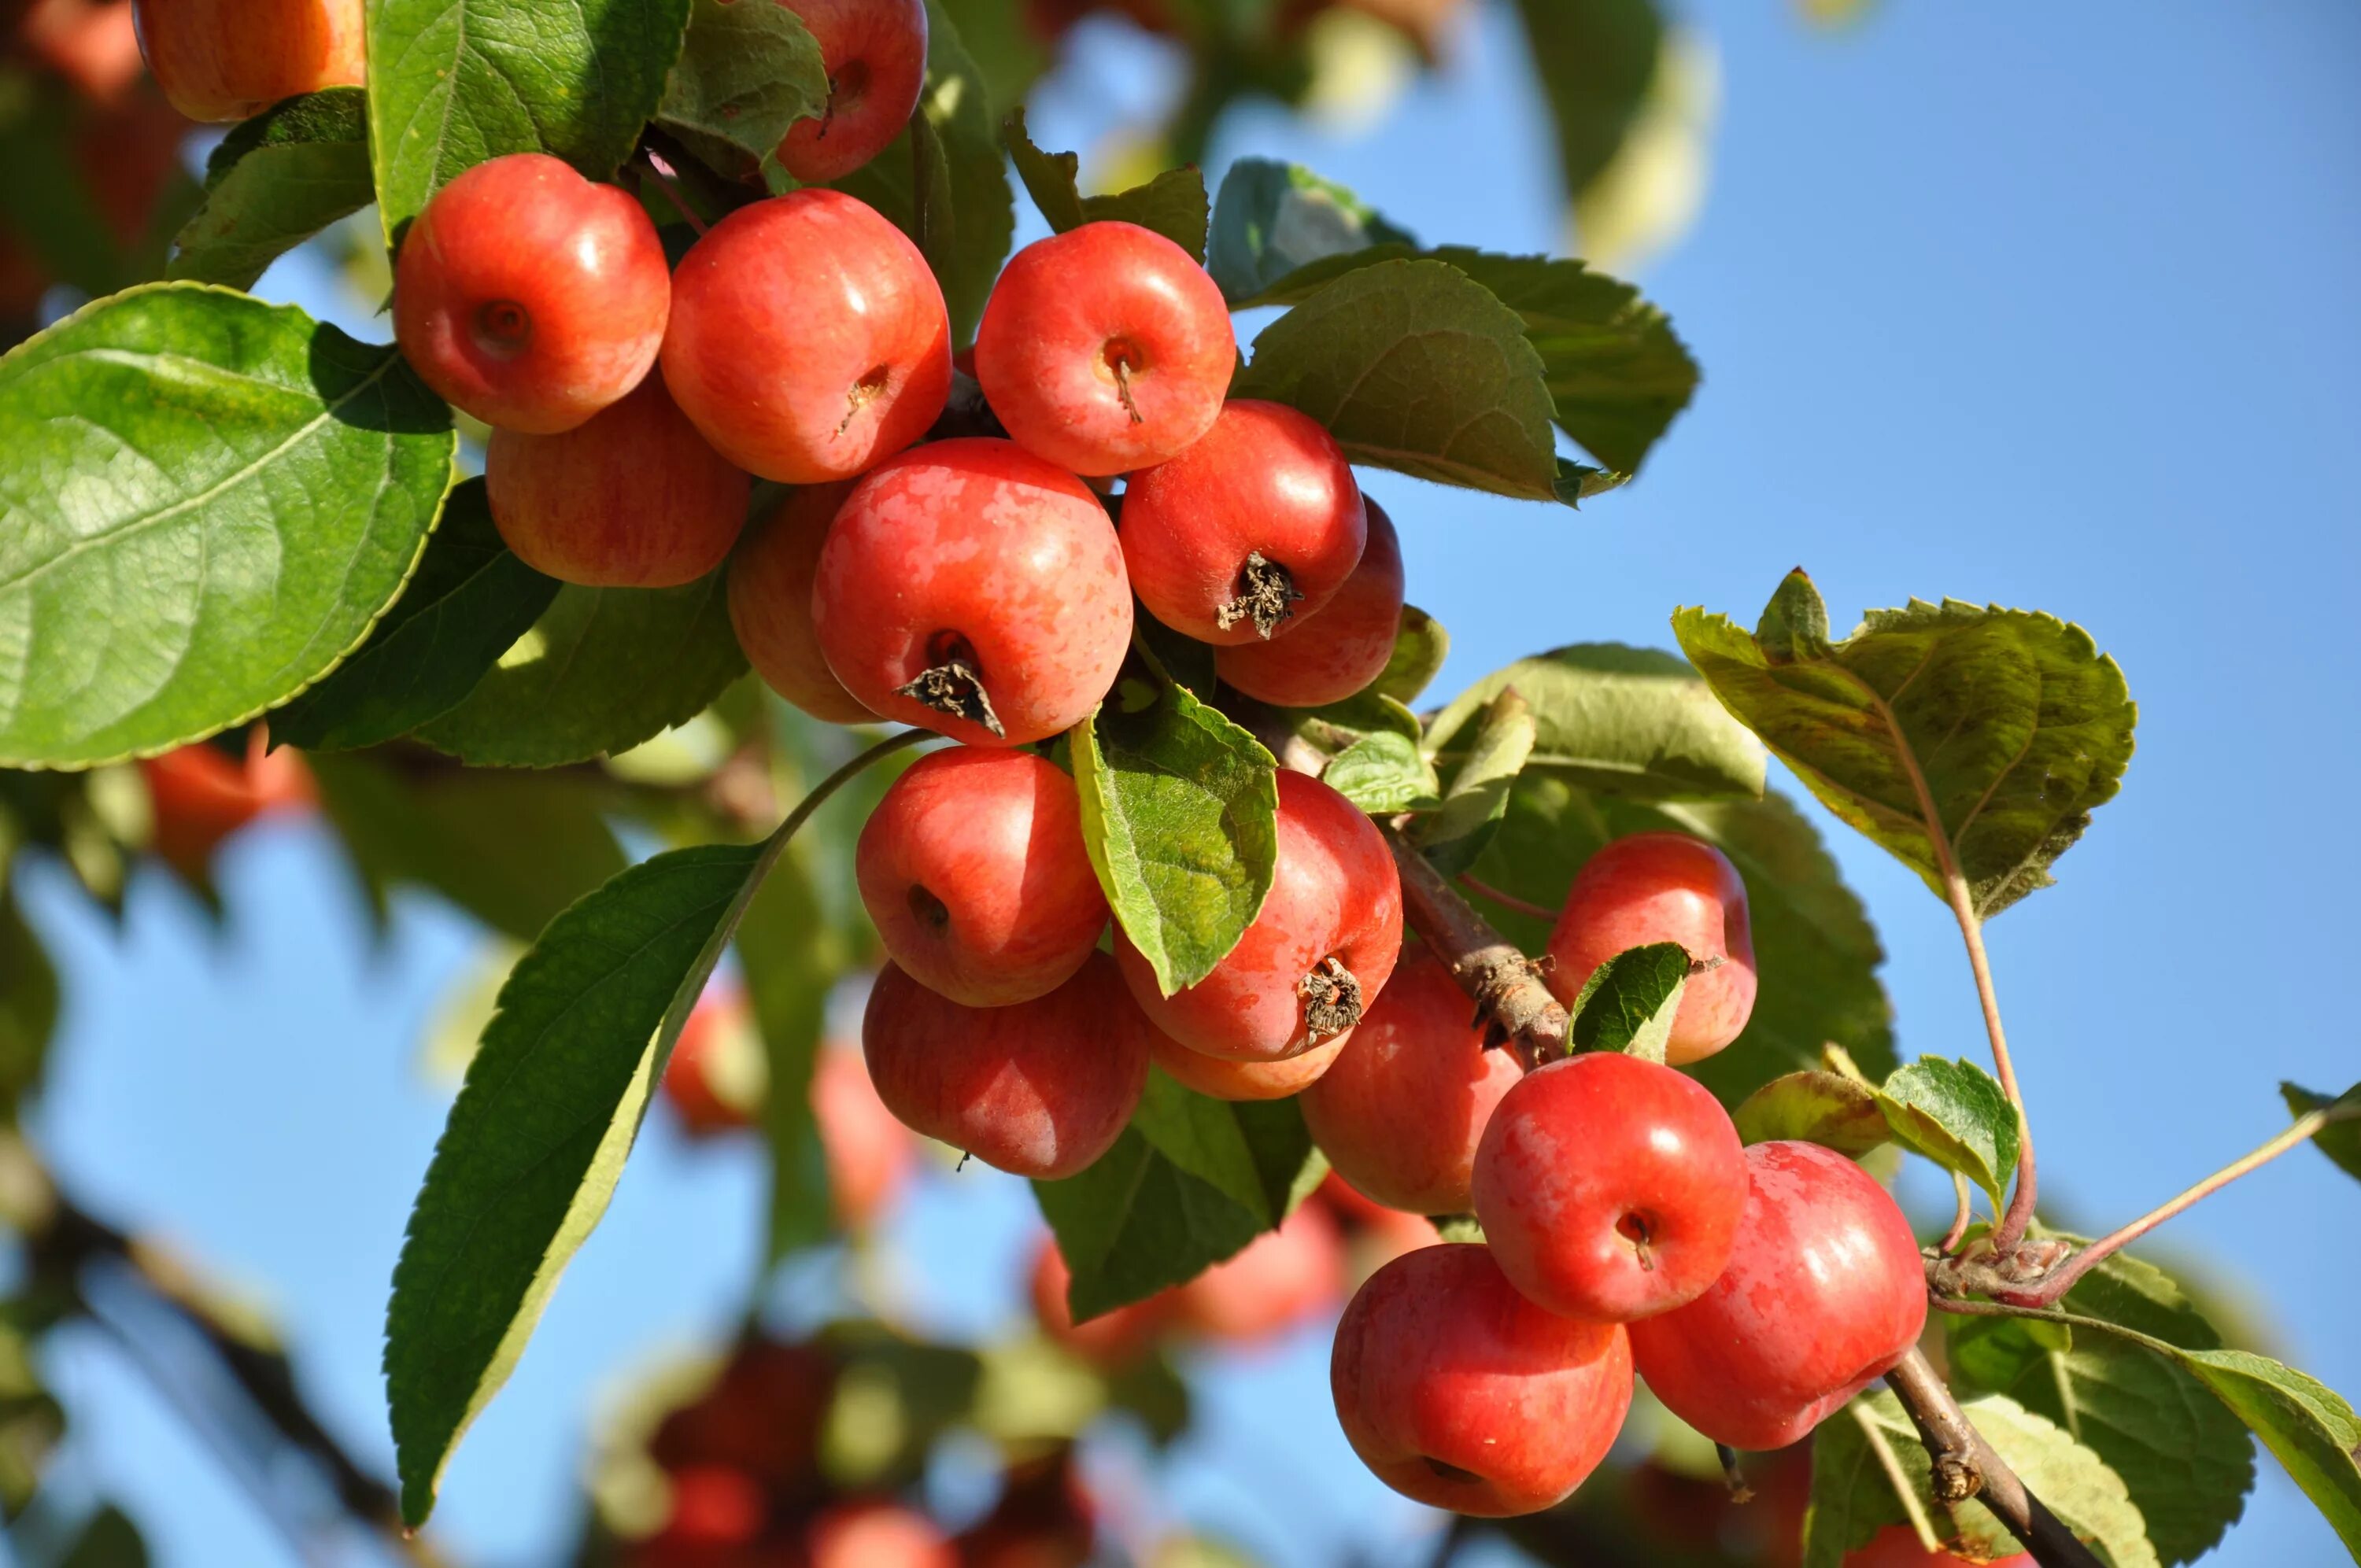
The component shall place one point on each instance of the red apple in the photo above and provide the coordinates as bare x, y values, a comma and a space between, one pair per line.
1459, 1392
228, 59
1281, 1279
634, 499
1105, 348
713, 1507
1399, 1114
1314, 960
972, 588
973, 870
1663, 887
876, 1534
762, 1414
1112, 1339
1258, 522
1897, 1546
1040, 1089
771, 602
1609, 1188
716, 1074
1334, 651
92, 44
1046, 1517
875, 54
1825, 1292
869, 1154
1226, 1080
201, 794
808, 340
528, 296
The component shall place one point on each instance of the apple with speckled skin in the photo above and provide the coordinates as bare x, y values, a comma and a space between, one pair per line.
771, 602
874, 52
1337, 650
1283, 1279
1663, 887
229, 59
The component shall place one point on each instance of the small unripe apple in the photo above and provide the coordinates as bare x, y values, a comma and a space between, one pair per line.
201, 794
633, 498
1282, 1278
1315, 957
528, 296
1040, 1089
973, 870
1663, 887
1112, 1339
1105, 348
1899, 1546
1823, 1293
972, 588
1254, 527
229, 59
875, 55
876, 1534
771, 602
1610, 1188
1226, 1080
808, 339
1459, 1392
1399, 1114
1337, 650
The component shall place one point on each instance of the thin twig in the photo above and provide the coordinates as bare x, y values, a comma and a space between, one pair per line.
1505, 984
1966, 1466
1506, 900
2019, 1217
1961, 1219
666, 179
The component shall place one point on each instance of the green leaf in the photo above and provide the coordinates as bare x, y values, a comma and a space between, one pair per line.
1254, 1153
1457, 1228
999, 34
1272, 219
1635, 721
602, 670
1420, 645
1814, 951
454, 82
512, 849
1180, 817
1955, 1114
1384, 774
747, 72
969, 218
1815, 1107
538, 1137
2305, 1424
1596, 59
1628, 1002
1983, 737
108, 1539
1413, 365
275, 181
235, 489
1173, 204
1479, 798
1857, 1452
467, 603
2339, 1140
2186, 1459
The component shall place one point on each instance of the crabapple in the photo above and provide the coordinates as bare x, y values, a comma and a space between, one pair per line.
1333, 652
1284, 1277
199, 796
1663, 887
1112, 1339
1899, 1546
717, 1075
970, 587
92, 44
1259, 522
1105, 348
1226, 1080
1825, 1292
1399, 1114
869, 1156
1313, 959
771, 602
228, 59
973, 870
528, 296
875, 55
763, 1414
875, 1534
808, 340
713, 1507
632, 499
1040, 1089
1459, 1392
1609, 1188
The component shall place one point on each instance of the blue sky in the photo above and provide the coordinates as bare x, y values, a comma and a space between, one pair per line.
2051, 306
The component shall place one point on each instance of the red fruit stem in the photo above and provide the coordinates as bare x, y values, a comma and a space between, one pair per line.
1966, 1466
2061, 1279
666, 180
1504, 984
1491, 895
2019, 1217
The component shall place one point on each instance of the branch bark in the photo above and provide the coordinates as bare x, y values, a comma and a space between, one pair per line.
1505, 985
1966, 1466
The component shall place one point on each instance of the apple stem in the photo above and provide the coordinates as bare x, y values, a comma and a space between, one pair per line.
1506, 985
2061, 1279
1491, 895
1966, 1466
666, 179
1731, 1476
